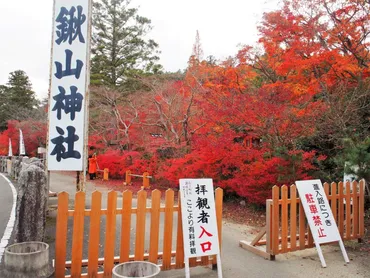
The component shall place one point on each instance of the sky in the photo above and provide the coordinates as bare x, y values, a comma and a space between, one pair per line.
25, 32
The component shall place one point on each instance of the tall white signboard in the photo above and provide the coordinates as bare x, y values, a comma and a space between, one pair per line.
319, 216
69, 83
199, 222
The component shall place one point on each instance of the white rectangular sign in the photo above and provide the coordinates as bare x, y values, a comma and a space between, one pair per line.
318, 212
199, 222
69, 83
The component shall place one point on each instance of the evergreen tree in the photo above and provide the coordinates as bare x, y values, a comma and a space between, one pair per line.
17, 100
4, 114
20, 90
356, 158
119, 47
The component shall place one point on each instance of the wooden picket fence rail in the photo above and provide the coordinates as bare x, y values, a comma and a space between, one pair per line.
286, 226
168, 259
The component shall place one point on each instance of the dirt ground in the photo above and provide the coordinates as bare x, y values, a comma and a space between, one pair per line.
240, 223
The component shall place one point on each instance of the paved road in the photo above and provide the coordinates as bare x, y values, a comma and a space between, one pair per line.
6, 203
236, 262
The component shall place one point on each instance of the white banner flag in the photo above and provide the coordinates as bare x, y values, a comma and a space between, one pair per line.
10, 153
69, 84
22, 149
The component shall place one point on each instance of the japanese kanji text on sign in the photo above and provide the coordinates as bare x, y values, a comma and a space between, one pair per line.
70, 53
199, 218
318, 212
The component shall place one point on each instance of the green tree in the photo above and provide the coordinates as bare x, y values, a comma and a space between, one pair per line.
17, 100
119, 47
4, 113
20, 90
356, 157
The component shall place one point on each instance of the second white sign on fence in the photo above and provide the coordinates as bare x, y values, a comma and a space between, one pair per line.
319, 215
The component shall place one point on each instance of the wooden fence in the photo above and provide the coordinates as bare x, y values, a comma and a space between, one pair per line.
286, 226
102, 267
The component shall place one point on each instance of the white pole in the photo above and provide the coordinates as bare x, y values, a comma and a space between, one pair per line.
187, 268
49, 104
219, 266
321, 256
10, 153
344, 252
81, 183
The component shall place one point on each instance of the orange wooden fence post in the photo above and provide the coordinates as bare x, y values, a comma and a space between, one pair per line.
341, 210
126, 226
219, 196
140, 225
168, 221
61, 235
355, 210
348, 210
334, 200
180, 239
78, 234
146, 182
302, 227
275, 220
293, 217
128, 177
94, 238
110, 234
106, 174
154, 226
284, 218
361, 209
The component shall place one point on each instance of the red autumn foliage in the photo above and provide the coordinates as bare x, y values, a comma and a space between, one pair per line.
242, 121
119, 162
34, 136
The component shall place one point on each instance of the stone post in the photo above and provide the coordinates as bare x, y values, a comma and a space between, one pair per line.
9, 166
31, 201
3, 164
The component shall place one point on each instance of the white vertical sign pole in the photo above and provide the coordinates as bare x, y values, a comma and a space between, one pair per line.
187, 268
82, 178
49, 104
344, 252
321, 256
219, 266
